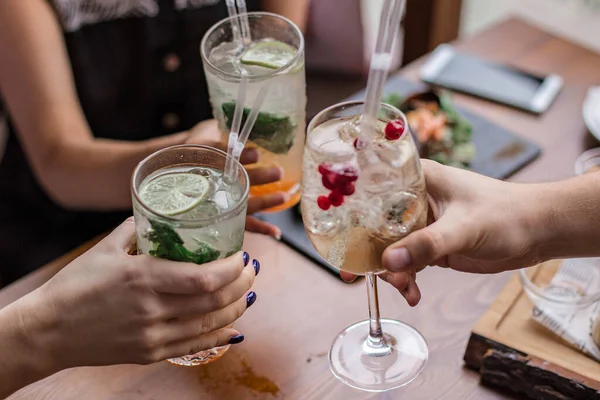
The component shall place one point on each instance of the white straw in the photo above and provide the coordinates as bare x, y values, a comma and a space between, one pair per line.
381, 62
243, 13
258, 101
235, 22
236, 123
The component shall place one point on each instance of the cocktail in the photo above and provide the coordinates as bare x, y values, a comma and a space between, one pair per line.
186, 211
359, 196
274, 54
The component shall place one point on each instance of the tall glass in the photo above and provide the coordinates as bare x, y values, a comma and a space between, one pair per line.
358, 198
185, 211
276, 55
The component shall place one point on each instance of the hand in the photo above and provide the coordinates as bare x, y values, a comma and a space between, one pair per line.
108, 307
207, 133
476, 224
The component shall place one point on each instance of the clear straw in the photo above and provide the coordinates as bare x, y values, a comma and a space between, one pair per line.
235, 22
258, 101
238, 145
243, 13
236, 123
381, 62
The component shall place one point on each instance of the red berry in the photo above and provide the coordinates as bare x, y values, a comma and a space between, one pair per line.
323, 203
394, 129
324, 168
329, 180
346, 188
347, 174
358, 144
336, 198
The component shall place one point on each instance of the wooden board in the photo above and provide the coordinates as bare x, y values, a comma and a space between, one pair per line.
514, 352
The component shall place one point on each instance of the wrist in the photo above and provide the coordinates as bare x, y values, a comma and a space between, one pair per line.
24, 358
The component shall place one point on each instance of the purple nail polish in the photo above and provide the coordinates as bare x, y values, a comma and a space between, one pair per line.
246, 257
250, 299
256, 266
236, 339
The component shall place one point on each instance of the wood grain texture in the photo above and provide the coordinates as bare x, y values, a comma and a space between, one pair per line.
301, 308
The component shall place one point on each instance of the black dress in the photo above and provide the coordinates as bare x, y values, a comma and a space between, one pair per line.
138, 73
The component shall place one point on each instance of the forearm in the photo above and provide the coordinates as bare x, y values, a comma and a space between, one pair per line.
296, 11
569, 218
20, 363
96, 173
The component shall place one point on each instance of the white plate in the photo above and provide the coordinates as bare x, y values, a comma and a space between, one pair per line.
591, 111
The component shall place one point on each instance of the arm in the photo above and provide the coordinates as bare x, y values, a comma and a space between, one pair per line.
20, 363
569, 220
296, 11
75, 169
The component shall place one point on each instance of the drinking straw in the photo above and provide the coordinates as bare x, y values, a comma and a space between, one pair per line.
235, 22
235, 126
237, 142
243, 13
380, 63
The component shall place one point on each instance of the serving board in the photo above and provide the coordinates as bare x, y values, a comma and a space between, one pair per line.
500, 153
513, 352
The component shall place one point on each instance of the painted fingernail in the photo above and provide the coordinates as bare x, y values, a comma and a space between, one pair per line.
256, 266
398, 259
246, 257
236, 339
250, 299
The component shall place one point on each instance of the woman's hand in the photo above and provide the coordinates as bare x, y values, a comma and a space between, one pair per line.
207, 133
476, 224
109, 307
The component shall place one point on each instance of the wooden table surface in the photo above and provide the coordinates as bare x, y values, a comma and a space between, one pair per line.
301, 307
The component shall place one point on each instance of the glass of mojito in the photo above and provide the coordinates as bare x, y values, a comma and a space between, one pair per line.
186, 210
275, 54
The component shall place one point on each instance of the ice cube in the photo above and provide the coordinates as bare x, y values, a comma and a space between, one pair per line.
221, 199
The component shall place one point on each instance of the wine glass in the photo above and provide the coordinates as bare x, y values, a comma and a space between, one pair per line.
358, 197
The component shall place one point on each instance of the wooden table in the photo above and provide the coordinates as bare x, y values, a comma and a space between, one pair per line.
301, 307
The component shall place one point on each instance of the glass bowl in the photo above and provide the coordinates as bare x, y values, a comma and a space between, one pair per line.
588, 162
563, 285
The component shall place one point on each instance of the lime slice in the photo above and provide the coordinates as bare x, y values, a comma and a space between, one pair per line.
176, 193
271, 54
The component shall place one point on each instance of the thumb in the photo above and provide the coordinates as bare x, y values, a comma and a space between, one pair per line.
421, 248
122, 238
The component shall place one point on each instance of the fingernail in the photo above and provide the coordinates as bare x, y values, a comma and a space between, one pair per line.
250, 299
398, 259
256, 266
246, 257
236, 339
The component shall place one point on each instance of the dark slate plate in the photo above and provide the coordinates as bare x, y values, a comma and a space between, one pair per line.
500, 153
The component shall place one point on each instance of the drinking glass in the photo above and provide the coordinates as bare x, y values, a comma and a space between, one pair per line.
358, 197
276, 57
211, 228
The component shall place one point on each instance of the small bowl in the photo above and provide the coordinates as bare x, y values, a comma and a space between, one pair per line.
568, 294
588, 162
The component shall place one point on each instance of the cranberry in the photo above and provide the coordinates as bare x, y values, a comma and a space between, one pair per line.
394, 129
323, 203
346, 188
324, 168
359, 144
347, 174
329, 180
336, 198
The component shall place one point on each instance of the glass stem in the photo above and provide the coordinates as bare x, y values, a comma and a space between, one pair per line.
375, 345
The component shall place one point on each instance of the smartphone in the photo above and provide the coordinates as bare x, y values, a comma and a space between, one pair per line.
488, 80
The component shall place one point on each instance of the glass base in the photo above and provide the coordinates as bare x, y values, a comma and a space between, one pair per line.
200, 358
357, 365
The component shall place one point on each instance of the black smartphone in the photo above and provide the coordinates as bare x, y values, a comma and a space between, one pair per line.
491, 81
